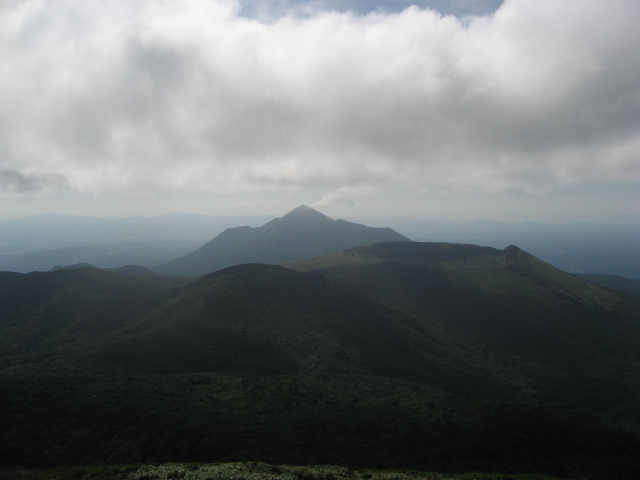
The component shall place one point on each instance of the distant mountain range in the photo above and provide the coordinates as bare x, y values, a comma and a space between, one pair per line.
41, 242
437, 356
302, 233
628, 285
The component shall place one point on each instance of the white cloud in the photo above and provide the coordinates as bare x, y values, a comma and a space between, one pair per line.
344, 196
188, 95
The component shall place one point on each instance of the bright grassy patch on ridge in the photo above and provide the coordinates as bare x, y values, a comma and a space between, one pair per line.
249, 471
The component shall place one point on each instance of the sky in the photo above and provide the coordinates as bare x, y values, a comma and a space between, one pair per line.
501, 110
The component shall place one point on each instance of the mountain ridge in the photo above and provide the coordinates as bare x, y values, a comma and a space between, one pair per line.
302, 233
400, 354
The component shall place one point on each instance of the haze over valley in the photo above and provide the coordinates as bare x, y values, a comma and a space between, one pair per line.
45, 241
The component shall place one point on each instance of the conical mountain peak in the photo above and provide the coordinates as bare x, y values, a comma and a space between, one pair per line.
302, 233
306, 213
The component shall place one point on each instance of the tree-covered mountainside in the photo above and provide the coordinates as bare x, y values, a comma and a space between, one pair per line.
42, 311
560, 338
396, 355
302, 233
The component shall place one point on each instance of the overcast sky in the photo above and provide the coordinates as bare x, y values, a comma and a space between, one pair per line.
522, 109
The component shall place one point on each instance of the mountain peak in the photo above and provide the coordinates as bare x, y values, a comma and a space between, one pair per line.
302, 233
306, 213
514, 253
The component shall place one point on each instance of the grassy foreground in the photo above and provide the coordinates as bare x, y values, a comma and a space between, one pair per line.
244, 471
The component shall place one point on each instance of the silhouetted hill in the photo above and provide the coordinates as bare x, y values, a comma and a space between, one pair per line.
401, 354
302, 233
73, 266
101, 256
125, 269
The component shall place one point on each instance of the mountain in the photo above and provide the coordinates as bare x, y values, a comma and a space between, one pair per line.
43, 311
125, 269
628, 285
106, 255
445, 357
526, 313
40, 242
302, 233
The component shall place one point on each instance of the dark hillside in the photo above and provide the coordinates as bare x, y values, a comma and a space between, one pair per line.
264, 319
42, 308
402, 355
443, 254
556, 331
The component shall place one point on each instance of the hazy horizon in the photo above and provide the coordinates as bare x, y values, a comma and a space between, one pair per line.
509, 111
351, 214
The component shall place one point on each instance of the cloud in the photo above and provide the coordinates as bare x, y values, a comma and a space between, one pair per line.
13, 181
190, 95
344, 196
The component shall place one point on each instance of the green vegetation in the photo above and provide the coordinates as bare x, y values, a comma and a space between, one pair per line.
431, 357
524, 323
249, 471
